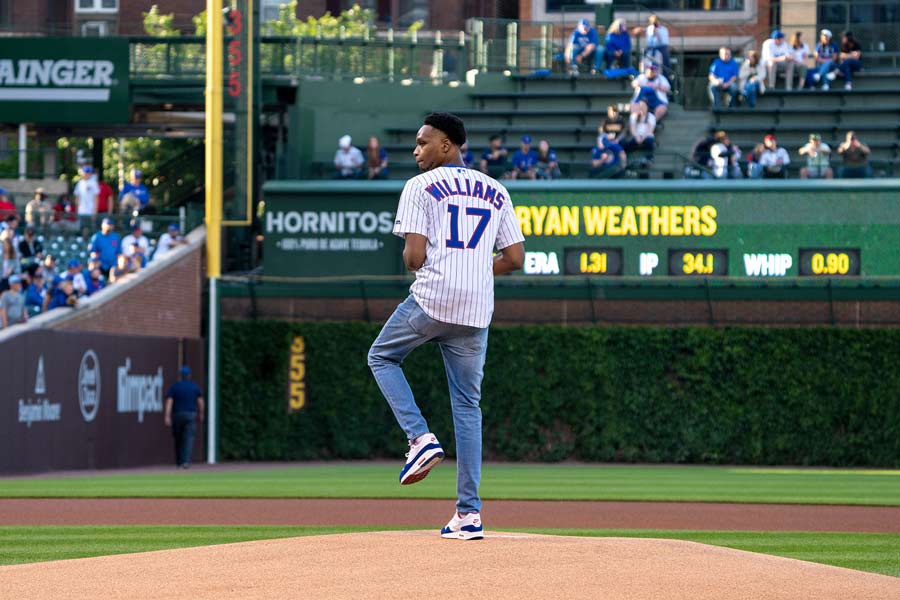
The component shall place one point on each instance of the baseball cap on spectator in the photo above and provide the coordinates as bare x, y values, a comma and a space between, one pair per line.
135, 226
185, 371
137, 173
87, 169
526, 139
40, 192
584, 23
14, 279
815, 136
74, 263
653, 66
769, 138
345, 141
826, 33
777, 34
108, 221
174, 227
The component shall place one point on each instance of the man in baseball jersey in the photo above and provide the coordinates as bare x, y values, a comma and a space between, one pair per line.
453, 219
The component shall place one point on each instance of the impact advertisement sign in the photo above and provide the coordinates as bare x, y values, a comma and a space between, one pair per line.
64, 80
84, 400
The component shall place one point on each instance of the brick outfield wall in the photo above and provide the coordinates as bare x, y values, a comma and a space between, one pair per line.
164, 302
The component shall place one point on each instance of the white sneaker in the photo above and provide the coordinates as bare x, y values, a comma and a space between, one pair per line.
816, 77
466, 527
424, 454
825, 87
848, 86
831, 76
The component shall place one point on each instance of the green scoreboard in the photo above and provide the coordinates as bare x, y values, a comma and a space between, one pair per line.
653, 229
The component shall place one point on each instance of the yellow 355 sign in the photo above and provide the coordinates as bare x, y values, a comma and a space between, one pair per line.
297, 375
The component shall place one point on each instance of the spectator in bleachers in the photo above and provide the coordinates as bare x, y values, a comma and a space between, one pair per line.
124, 266
106, 244
86, 192
582, 48
524, 161
608, 160
653, 89
751, 78
12, 304
817, 154
48, 267
348, 160
723, 78
376, 159
10, 258
95, 279
467, 157
35, 293
613, 125
800, 52
63, 294
74, 272
850, 56
777, 55
657, 43
617, 50
136, 237
11, 222
701, 157
855, 157
547, 166
64, 213
38, 211
641, 124
170, 239
773, 159
104, 198
493, 159
725, 157
826, 61
134, 196
31, 250
6, 206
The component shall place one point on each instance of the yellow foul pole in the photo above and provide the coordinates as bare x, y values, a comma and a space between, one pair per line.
214, 80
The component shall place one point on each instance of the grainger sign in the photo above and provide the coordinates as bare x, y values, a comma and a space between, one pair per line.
64, 80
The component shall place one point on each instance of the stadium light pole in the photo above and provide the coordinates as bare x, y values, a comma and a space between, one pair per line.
213, 180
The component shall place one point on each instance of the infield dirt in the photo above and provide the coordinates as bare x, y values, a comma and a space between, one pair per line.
421, 564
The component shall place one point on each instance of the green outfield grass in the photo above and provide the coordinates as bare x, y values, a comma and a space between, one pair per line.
877, 553
500, 481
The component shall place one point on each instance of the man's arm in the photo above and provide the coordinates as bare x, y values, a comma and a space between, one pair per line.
168, 412
3, 317
414, 251
200, 408
511, 258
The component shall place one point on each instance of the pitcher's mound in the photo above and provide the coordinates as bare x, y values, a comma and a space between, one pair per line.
419, 564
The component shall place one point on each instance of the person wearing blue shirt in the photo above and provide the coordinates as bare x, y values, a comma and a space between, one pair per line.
607, 159
134, 195
34, 295
826, 59
581, 46
467, 156
617, 53
106, 244
524, 160
723, 76
493, 159
183, 409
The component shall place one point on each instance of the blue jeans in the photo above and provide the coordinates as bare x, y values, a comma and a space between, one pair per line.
848, 67
824, 69
716, 91
184, 426
751, 91
592, 59
463, 349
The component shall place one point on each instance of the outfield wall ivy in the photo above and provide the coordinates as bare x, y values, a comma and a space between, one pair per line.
550, 393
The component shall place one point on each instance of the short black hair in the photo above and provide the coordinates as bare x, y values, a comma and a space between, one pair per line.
451, 125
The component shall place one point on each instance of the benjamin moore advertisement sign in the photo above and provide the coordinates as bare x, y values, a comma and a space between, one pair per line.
608, 229
83, 400
64, 80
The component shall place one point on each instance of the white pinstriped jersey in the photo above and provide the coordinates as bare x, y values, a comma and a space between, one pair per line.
465, 215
